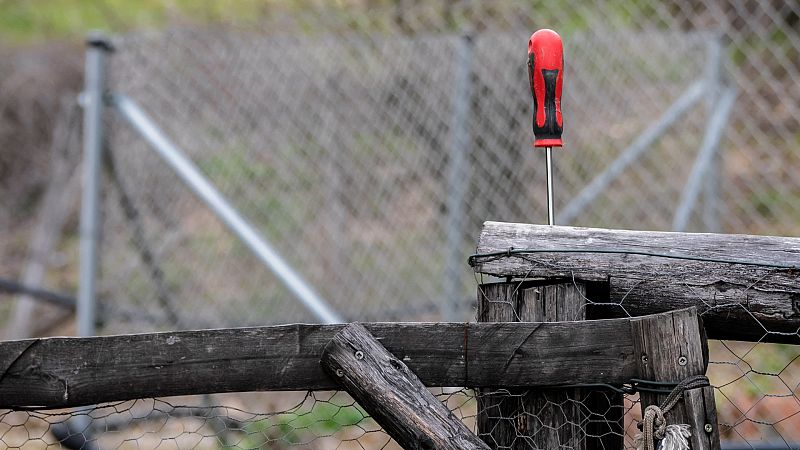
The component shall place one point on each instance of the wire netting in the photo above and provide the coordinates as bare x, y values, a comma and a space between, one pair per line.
336, 132
316, 420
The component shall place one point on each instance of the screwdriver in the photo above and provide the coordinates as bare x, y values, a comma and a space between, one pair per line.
546, 72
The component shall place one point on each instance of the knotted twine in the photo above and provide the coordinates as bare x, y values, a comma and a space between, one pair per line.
655, 427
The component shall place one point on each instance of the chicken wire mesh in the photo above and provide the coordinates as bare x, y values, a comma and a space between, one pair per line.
286, 420
315, 420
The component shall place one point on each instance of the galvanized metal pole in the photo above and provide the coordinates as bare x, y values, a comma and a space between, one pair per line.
714, 61
705, 157
203, 188
457, 179
98, 47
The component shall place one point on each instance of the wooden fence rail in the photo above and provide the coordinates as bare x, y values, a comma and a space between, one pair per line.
69, 371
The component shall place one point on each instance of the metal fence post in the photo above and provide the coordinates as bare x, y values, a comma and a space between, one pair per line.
715, 131
711, 181
457, 177
98, 47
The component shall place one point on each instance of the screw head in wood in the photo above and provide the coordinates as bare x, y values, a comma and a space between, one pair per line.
708, 428
339, 373
682, 361
359, 355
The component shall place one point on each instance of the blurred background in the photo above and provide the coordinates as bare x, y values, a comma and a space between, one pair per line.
367, 141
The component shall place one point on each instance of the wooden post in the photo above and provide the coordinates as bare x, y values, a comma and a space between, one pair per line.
54, 373
498, 408
392, 394
702, 418
552, 418
671, 347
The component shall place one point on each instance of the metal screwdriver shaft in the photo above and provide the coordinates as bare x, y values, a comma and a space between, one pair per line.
545, 73
550, 213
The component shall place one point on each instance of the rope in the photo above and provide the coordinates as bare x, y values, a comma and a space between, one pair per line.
654, 425
653, 417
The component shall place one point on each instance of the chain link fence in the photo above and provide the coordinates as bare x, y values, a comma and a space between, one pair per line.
368, 143
370, 158
342, 150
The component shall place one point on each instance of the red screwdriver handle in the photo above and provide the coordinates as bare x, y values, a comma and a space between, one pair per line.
546, 72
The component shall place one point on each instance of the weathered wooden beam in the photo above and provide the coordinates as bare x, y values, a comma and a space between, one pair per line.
546, 418
392, 395
672, 347
745, 287
703, 419
500, 412
60, 372
551, 418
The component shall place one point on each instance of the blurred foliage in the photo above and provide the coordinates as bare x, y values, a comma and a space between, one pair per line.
24, 21
324, 418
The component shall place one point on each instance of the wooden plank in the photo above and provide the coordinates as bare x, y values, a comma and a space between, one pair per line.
704, 419
59, 372
392, 395
671, 347
552, 418
559, 414
567, 302
499, 410
737, 301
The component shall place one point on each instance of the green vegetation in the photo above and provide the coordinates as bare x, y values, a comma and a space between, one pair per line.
25, 21
297, 427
